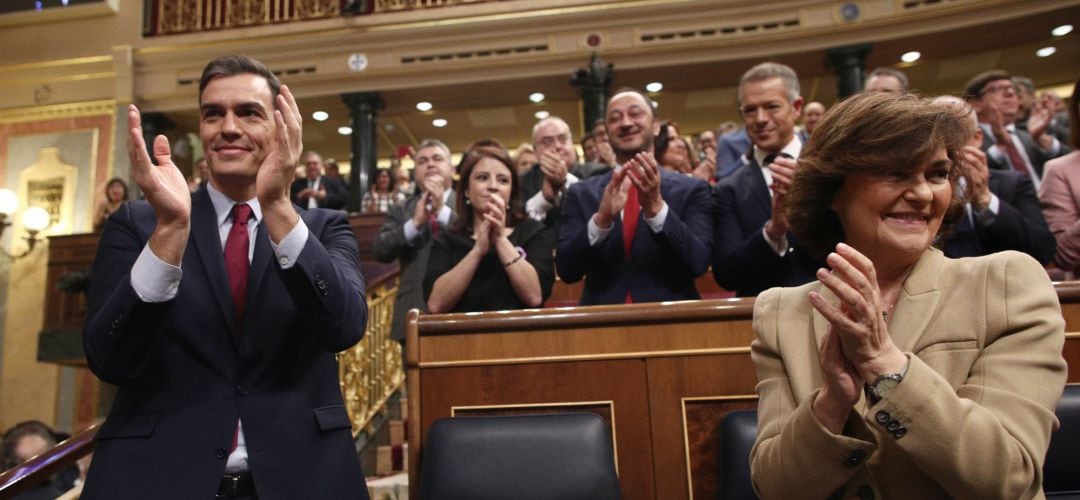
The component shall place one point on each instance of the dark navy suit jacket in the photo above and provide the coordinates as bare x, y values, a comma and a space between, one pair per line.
185, 370
662, 266
1019, 224
743, 261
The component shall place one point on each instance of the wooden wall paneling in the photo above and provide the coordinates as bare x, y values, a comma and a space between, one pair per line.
689, 396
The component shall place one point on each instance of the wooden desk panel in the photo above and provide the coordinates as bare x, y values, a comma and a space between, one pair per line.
671, 370
615, 390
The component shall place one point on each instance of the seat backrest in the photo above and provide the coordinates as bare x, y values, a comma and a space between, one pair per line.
738, 431
549, 456
1061, 471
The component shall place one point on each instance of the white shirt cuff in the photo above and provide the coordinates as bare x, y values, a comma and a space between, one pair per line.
411, 233
596, 234
537, 207
153, 279
780, 247
444, 215
656, 224
291, 245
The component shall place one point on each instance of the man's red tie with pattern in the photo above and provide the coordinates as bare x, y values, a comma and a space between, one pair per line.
629, 224
236, 257
1017, 161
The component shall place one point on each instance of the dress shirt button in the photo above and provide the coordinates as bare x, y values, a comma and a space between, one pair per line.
221, 453
900, 432
866, 492
284, 261
882, 417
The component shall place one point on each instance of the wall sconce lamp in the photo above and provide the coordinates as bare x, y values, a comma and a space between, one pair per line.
34, 220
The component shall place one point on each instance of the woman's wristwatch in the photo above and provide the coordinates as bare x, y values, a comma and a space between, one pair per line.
881, 386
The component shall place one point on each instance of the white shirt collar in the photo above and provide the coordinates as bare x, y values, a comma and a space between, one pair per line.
792, 149
223, 205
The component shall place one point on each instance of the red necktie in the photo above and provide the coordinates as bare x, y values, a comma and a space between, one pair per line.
629, 224
1017, 161
433, 222
236, 257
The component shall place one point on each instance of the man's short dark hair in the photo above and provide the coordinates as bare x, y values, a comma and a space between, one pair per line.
238, 65
974, 87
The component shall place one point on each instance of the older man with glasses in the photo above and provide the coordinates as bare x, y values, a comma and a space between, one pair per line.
994, 97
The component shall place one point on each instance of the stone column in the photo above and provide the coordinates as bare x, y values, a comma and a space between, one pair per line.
849, 64
364, 107
594, 84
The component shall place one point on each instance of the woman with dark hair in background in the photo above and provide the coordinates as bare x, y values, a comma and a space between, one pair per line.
382, 193
901, 373
1059, 194
493, 257
116, 193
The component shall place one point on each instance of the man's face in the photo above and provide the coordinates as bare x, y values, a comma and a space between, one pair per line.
312, 166
433, 161
236, 125
768, 114
589, 147
884, 83
811, 115
1026, 100
631, 125
600, 132
30, 446
707, 139
1000, 94
553, 136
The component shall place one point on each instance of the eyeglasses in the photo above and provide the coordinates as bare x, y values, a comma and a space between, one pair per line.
999, 88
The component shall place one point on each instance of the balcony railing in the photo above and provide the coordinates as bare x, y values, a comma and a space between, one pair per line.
170, 17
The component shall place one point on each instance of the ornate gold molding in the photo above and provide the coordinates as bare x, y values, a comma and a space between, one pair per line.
49, 112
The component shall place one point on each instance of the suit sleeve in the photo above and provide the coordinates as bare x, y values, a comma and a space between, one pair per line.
1019, 224
326, 282
687, 240
741, 261
574, 255
390, 243
988, 437
336, 193
1062, 214
439, 262
794, 455
120, 329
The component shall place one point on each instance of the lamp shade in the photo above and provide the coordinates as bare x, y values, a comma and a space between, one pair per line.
9, 203
35, 219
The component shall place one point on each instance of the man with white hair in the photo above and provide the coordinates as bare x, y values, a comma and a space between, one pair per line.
543, 185
1003, 212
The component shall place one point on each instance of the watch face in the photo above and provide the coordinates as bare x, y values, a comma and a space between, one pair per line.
884, 385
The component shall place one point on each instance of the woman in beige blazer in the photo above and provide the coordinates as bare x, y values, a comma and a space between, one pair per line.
900, 373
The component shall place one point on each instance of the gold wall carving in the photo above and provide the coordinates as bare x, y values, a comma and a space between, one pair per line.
396, 5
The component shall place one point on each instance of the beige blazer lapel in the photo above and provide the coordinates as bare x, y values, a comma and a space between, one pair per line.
918, 301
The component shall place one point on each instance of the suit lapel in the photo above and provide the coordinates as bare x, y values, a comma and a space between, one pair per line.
758, 190
918, 301
204, 232
260, 262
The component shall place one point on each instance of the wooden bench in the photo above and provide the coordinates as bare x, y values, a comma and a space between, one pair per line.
663, 376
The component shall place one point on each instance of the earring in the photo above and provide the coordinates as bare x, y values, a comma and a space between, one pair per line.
467, 202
